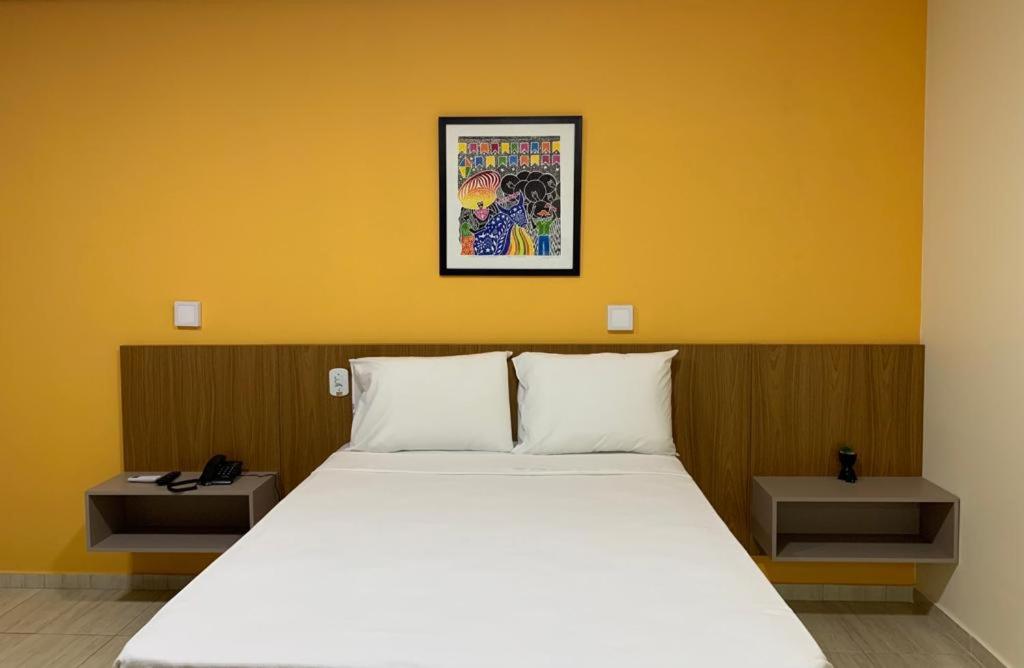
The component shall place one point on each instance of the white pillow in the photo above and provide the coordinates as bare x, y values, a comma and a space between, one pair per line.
608, 402
458, 402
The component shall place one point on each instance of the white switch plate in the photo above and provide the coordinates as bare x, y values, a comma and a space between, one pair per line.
188, 315
620, 317
337, 382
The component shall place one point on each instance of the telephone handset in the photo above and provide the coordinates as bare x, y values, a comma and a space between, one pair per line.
218, 471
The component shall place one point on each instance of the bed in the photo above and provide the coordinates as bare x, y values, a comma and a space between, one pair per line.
482, 560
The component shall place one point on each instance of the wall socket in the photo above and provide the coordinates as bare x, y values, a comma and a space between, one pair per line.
337, 382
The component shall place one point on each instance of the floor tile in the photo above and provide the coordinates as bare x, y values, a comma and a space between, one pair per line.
943, 623
888, 608
8, 641
105, 655
915, 630
32, 650
849, 660
159, 599
927, 636
12, 597
33, 614
108, 613
831, 630
68, 627
879, 634
918, 660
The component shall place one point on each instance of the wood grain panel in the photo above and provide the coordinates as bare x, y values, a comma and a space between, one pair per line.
711, 397
738, 410
807, 400
182, 404
313, 424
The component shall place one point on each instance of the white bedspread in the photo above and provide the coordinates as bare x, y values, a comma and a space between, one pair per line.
483, 560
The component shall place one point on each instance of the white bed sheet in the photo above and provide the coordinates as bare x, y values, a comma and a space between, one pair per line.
482, 560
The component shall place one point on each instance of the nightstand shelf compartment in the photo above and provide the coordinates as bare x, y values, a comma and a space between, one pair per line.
874, 520
133, 517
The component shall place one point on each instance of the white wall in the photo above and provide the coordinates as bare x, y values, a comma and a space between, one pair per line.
973, 309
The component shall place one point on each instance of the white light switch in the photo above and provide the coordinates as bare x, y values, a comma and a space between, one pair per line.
337, 382
620, 317
188, 314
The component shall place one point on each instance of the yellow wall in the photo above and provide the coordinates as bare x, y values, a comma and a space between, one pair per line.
852, 573
752, 172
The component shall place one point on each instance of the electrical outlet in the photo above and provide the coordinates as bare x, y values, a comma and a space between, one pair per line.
337, 382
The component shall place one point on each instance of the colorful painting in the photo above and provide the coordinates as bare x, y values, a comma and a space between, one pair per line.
509, 195
508, 209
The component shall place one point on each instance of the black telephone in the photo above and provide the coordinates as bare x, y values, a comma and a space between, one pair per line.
218, 471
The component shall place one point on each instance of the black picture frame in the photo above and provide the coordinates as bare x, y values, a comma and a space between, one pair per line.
577, 155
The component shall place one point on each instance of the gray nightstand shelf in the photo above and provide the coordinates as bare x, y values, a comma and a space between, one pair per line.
122, 516
883, 519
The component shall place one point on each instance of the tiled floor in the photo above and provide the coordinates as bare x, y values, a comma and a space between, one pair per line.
881, 635
88, 627
71, 627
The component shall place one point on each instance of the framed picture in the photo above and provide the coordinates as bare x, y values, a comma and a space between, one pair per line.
510, 195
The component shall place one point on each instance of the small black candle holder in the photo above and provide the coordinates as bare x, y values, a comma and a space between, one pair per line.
847, 458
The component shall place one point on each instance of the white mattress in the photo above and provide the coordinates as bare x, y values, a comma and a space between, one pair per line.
482, 560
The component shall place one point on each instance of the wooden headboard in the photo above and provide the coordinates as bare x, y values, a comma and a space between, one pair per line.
738, 410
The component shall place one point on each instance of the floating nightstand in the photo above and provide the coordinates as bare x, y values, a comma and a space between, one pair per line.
121, 516
882, 519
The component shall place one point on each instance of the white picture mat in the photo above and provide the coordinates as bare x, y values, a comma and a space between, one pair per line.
566, 132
